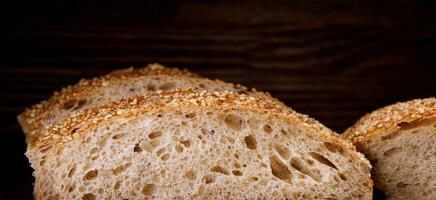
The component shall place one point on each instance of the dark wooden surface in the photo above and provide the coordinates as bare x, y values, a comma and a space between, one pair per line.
334, 60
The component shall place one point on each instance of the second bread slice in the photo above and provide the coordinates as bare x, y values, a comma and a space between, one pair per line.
400, 142
120, 84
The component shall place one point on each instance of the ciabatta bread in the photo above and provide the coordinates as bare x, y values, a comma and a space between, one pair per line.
400, 142
194, 144
112, 87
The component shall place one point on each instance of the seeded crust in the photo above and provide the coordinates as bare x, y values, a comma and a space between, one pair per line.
71, 128
389, 118
33, 119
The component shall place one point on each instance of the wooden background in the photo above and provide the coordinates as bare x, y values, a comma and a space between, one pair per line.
334, 60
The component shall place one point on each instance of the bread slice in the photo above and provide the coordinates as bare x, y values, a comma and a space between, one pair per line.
400, 142
112, 87
194, 144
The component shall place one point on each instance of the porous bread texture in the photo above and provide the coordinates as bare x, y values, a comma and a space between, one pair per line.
112, 87
399, 140
196, 144
404, 161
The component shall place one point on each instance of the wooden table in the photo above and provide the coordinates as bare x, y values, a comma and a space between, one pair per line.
333, 60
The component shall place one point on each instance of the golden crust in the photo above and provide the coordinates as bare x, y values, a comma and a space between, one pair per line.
31, 119
388, 119
75, 126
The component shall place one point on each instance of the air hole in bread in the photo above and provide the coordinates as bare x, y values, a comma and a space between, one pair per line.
237, 173
165, 157
167, 86
299, 166
90, 175
42, 162
343, 177
148, 189
309, 161
279, 169
208, 179
118, 136
333, 147
72, 171
267, 128
285, 133
253, 178
160, 151
71, 188
155, 134
88, 196
391, 135
190, 115
120, 169
237, 165
392, 151
137, 149
74, 131
250, 142
100, 190
233, 122
323, 160
219, 169
186, 143
80, 103
179, 148
190, 175
117, 185
93, 150
151, 87
264, 165
282, 151
69, 104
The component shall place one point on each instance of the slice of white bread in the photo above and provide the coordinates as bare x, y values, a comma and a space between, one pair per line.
193, 144
112, 87
400, 142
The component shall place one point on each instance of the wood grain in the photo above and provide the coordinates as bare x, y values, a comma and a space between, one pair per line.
333, 60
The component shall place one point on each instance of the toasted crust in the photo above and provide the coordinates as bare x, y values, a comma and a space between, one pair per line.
31, 119
73, 127
389, 118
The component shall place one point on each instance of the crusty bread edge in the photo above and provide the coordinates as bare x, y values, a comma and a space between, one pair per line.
389, 118
29, 119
